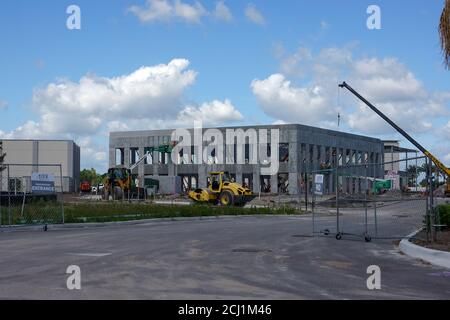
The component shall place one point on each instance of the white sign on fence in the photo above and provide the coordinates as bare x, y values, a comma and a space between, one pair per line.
318, 183
42, 183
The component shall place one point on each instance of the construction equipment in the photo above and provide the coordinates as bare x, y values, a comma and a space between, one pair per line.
222, 190
438, 164
119, 181
380, 186
85, 186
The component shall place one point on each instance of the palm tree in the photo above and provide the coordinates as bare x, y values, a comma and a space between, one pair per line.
444, 33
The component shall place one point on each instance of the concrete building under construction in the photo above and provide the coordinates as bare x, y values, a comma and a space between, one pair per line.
301, 149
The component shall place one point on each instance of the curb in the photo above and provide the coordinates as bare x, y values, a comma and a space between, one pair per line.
98, 225
435, 257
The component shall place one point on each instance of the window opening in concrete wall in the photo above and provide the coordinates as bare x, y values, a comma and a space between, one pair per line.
134, 155
120, 159
149, 157
247, 180
284, 152
247, 153
266, 186
283, 183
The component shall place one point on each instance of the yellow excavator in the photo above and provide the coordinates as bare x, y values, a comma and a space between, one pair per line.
222, 190
439, 165
119, 181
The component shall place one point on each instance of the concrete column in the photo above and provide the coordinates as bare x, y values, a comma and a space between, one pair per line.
256, 180
331, 176
141, 168
308, 164
126, 155
202, 176
315, 160
294, 185
380, 166
274, 183
239, 178
171, 169
294, 166
112, 157
322, 155
155, 163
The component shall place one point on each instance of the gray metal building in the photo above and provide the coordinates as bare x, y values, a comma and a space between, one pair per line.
25, 157
302, 149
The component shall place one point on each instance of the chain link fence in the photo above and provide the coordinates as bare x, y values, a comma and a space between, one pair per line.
375, 201
31, 194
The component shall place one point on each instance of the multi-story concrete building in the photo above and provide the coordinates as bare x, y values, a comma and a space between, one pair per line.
25, 157
301, 149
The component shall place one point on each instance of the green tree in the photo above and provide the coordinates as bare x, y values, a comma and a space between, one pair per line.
413, 173
91, 176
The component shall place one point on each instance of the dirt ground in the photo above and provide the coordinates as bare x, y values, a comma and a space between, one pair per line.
442, 243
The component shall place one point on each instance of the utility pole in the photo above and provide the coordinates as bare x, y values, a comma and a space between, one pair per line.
2, 166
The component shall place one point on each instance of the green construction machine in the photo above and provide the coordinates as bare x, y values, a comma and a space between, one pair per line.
119, 181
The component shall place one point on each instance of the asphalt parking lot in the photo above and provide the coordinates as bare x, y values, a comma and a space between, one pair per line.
224, 258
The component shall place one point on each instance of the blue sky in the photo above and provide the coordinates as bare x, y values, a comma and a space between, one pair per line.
281, 66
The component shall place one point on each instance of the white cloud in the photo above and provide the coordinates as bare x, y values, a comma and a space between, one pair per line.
155, 10
149, 94
447, 158
189, 13
165, 10
284, 101
222, 12
81, 107
210, 113
313, 98
254, 15
3, 104
324, 25
446, 130
92, 154
148, 98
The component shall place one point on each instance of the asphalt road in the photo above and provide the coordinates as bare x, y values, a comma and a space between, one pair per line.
223, 258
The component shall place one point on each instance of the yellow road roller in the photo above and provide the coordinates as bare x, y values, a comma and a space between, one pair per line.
222, 191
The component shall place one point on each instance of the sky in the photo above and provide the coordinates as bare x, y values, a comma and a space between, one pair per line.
150, 64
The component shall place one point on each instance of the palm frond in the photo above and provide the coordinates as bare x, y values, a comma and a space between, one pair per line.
444, 33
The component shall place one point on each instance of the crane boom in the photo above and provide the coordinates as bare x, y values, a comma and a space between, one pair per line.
164, 148
438, 164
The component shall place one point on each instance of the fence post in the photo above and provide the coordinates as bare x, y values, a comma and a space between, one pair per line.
365, 197
62, 193
430, 200
375, 199
9, 198
1, 195
313, 212
337, 200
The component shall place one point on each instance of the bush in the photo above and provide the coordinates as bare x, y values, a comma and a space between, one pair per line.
444, 214
117, 211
